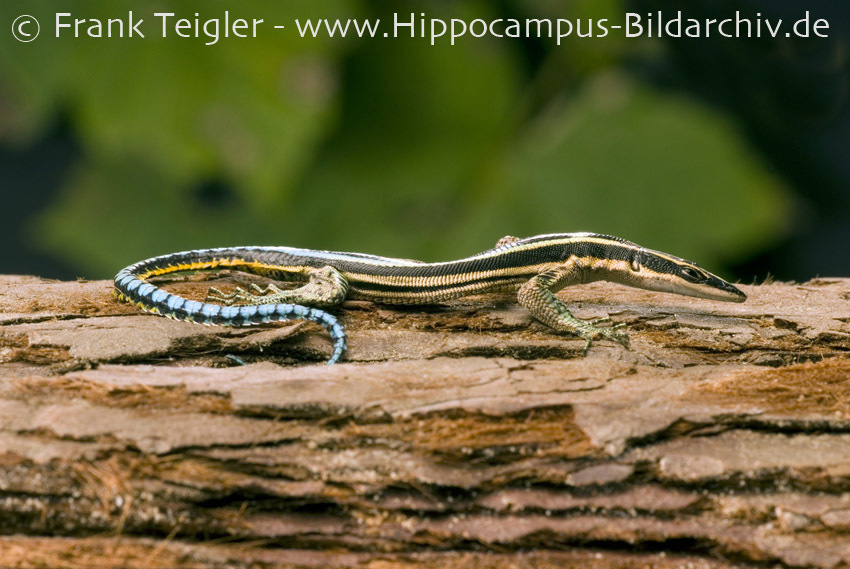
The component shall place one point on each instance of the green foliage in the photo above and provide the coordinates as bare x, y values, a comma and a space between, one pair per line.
389, 146
248, 110
626, 160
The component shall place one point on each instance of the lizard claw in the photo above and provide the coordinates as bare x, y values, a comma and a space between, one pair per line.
215, 295
268, 290
590, 332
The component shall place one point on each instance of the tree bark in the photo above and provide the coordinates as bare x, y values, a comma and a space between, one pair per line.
463, 435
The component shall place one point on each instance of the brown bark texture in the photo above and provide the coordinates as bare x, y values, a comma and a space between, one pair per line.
462, 435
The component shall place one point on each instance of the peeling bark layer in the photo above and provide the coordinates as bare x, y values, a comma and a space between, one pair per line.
461, 435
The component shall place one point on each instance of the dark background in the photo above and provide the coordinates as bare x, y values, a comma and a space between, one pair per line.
732, 152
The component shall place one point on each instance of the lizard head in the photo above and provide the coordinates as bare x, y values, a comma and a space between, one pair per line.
662, 272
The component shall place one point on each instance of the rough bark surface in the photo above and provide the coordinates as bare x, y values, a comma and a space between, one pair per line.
462, 435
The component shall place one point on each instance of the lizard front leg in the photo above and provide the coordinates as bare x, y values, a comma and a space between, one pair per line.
538, 296
506, 240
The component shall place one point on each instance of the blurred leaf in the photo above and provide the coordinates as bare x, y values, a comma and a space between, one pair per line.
418, 125
627, 160
250, 110
100, 229
394, 147
579, 53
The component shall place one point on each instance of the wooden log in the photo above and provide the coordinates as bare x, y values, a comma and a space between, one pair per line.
462, 435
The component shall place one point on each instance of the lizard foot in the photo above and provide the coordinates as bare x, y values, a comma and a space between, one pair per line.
242, 296
589, 331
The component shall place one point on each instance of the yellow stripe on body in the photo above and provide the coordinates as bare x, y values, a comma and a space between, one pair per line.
258, 267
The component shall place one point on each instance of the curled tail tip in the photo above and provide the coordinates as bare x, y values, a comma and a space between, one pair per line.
340, 347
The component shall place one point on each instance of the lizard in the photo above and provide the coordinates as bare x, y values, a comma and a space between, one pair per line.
536, 267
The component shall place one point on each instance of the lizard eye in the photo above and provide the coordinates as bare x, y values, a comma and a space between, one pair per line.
691, 275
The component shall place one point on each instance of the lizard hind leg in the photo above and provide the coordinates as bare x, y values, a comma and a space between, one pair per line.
240, 295
325, 286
